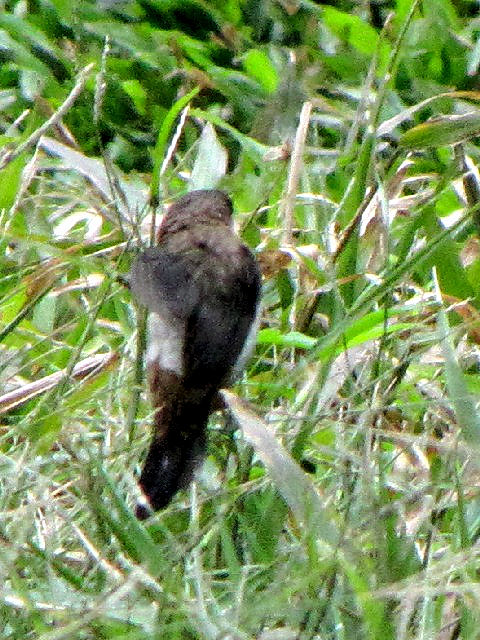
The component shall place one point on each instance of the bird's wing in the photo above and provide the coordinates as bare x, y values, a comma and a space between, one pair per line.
217, 303
220, 321
164, 281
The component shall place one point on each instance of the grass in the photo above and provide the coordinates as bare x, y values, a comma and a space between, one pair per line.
340, 495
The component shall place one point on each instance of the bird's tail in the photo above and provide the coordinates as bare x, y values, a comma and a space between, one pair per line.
177, 448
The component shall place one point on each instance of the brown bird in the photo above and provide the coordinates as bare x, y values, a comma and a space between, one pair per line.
201, 286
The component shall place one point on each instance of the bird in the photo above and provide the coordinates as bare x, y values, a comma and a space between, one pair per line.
201, 287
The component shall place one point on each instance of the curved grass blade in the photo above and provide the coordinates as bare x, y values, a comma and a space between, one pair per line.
292, 483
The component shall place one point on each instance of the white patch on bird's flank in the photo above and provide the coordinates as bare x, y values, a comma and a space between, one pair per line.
165, 342
142, 501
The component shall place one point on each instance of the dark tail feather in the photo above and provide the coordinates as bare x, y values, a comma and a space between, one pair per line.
171, 462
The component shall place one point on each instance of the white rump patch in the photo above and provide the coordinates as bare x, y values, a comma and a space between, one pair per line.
165, 342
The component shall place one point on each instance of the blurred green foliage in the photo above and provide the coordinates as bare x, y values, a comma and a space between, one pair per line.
351, 511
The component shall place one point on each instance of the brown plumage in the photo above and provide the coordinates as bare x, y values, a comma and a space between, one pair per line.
201, 286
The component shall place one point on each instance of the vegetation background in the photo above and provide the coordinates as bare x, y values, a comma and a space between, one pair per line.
343, 501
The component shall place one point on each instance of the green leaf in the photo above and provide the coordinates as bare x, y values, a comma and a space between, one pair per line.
452, 276
291, 339
251, 146
21, 54
352, 29
211, 161
441, 131
465, 410
137, 93
44, 314
258, 65
10, 177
